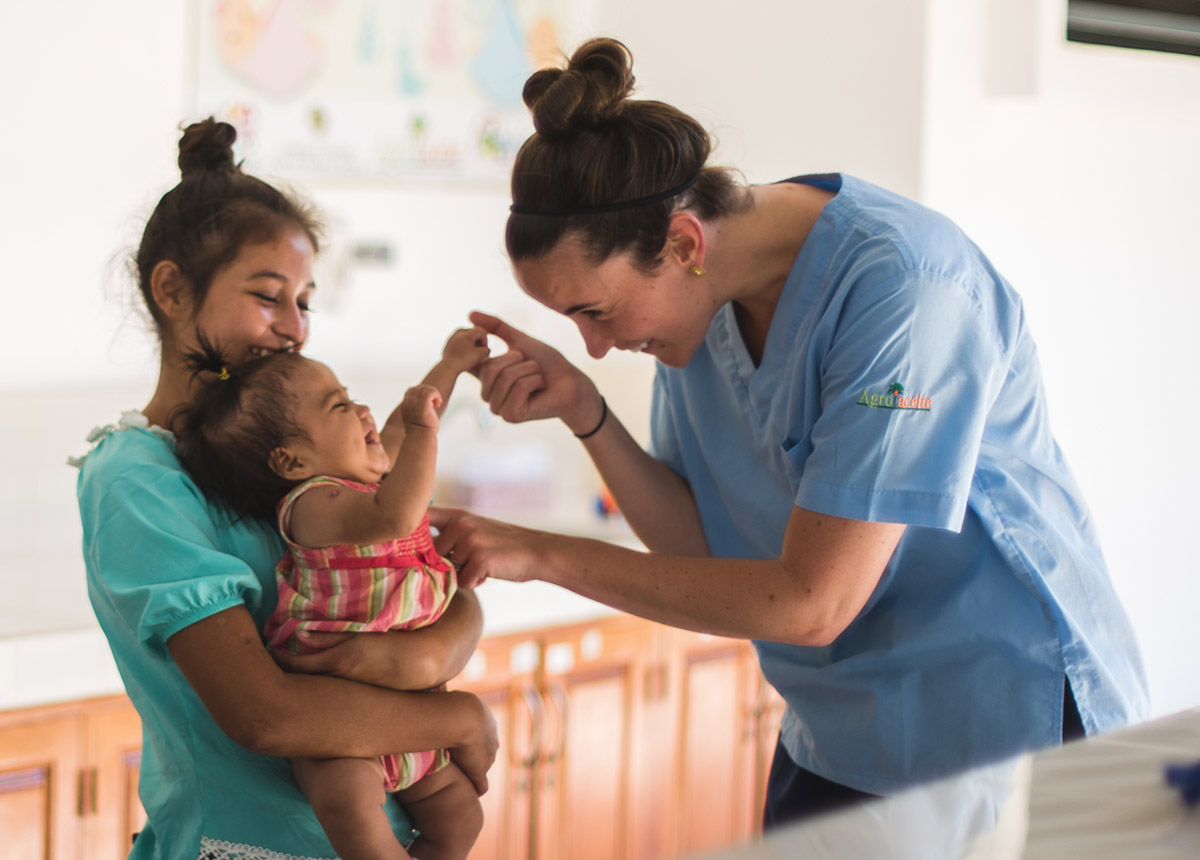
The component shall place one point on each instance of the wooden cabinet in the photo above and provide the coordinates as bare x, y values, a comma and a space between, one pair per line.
622, 739
39, 763
68, 781
112, 811
727, 722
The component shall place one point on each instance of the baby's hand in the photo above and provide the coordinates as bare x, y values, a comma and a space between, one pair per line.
419, 408
466, 349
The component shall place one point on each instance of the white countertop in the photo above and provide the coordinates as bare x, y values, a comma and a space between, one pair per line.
60, 654
1104, 798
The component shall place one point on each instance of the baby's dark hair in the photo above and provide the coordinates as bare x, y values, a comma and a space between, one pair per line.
237, 417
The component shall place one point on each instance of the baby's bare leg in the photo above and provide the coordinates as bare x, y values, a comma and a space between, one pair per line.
446, 809
347, 795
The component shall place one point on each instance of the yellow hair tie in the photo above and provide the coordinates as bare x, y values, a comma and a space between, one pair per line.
224, 374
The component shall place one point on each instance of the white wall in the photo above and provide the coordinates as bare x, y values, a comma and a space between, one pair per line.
1073, 166
1077, 171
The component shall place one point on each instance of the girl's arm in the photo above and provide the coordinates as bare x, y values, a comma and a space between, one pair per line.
399, 659
273, 712
463, 353
330, 515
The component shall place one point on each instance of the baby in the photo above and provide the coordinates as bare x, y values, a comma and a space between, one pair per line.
279, 438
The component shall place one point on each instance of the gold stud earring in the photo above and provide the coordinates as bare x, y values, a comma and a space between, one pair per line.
697, 271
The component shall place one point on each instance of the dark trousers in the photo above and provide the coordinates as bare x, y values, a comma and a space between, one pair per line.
794, 793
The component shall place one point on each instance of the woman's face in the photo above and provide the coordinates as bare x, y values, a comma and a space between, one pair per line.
616, 305
259, 302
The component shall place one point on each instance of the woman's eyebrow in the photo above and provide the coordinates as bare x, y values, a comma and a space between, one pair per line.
267, 273
276, 276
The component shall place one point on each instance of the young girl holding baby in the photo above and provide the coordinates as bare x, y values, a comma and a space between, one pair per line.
280, 438
182, 590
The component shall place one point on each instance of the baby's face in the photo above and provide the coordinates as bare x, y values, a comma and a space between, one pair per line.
343, 442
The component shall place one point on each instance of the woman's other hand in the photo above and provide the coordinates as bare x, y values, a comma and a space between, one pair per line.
482, 548
533, 380
477, 751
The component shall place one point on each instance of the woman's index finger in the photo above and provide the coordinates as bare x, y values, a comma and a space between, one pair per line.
498, 327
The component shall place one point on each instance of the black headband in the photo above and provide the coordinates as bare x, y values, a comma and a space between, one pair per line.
605, 207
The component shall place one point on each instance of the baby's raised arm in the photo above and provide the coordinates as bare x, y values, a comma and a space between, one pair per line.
465, 350
330, 515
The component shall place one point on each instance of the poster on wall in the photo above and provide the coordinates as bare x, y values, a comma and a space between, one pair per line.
378, 90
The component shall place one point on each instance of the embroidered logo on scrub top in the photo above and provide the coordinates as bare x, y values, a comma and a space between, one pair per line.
896, 399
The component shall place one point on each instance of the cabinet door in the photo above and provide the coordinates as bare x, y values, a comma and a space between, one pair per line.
40, 764
502, 673
113, 748
717, 744
590, 687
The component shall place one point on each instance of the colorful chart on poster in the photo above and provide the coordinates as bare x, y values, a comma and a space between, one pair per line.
378, 89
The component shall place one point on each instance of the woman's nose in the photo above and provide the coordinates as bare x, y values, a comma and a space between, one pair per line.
597, 344
364, 411
291, 322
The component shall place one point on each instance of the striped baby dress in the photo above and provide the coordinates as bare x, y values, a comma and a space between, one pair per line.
400, 584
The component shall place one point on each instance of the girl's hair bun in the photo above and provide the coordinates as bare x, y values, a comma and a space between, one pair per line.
590, 91
206, 145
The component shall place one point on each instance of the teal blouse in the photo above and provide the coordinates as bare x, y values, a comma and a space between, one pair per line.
158, 559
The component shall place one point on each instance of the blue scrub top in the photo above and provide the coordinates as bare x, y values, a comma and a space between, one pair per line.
899, 383
160, 558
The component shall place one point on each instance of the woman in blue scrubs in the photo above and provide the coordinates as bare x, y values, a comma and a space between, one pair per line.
851, 460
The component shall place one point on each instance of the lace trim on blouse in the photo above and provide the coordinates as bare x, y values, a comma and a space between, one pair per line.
132, 418
219, 849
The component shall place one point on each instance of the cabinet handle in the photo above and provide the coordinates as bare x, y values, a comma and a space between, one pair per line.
85, 791
756, 711
533, 701
562, 706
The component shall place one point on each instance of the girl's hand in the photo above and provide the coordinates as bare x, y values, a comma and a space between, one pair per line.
533, 381
476, 753
420, 407
480, 548
332, 660
466, 350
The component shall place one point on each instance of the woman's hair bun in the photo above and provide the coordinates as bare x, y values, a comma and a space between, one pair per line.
589, 91
206, 145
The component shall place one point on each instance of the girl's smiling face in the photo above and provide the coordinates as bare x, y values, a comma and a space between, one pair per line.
258, 303
343, 441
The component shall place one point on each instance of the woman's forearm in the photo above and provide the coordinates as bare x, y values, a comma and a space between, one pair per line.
825, 573
346, 718
270, 711
738, 598
656, 502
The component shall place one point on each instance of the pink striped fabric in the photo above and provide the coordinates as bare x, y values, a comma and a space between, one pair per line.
400, 584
